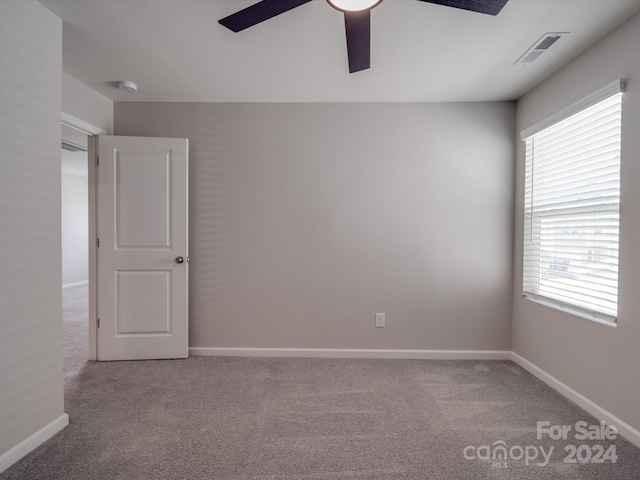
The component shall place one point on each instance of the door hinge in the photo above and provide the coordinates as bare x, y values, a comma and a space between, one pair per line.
98, 323
97, 161
98, 242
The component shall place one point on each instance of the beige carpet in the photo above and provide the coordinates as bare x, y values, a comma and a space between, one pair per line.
75, 338
304, 419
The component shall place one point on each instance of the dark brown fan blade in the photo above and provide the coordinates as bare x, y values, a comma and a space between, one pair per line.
490, 7
259, 12
358, 28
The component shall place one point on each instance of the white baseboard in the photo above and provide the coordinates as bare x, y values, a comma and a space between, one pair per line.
30, 443
76, 284
352, 353
624, 429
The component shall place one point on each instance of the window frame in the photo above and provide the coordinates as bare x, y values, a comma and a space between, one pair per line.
565, 305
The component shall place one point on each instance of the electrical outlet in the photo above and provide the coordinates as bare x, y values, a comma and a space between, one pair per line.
380, 320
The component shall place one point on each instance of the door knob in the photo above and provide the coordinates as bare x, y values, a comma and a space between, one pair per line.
179, 260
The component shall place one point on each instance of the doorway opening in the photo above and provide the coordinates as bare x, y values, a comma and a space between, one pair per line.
79, 306
75, 251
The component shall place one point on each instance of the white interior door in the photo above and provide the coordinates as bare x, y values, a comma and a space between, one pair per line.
142, 257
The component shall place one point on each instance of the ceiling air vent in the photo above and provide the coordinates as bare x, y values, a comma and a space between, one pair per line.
539, 47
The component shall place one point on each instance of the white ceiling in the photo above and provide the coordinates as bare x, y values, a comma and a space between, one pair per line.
176, 50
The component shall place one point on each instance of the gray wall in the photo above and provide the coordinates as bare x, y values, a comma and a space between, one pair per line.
75, 218
306, 219
30, 295
86, 104
597, 361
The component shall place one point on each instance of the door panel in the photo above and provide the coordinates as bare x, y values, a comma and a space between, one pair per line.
136, 315
142, 227
151, 203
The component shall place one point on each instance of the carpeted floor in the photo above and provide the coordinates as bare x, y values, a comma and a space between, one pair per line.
316, 419
75, 338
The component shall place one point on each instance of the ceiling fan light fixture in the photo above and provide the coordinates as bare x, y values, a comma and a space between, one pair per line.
353, 5
357, 20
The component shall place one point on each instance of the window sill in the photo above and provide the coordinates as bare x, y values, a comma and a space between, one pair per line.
571, 311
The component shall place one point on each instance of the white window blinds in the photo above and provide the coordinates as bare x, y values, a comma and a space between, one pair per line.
571, 217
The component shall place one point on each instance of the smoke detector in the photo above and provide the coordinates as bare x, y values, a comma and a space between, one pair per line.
127, 86
539, 47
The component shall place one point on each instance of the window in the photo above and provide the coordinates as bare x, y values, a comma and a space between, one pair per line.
571, 211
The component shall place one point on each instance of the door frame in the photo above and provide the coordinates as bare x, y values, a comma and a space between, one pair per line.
92, 131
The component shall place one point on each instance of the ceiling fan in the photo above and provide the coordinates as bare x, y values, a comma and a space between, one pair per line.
357, 20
